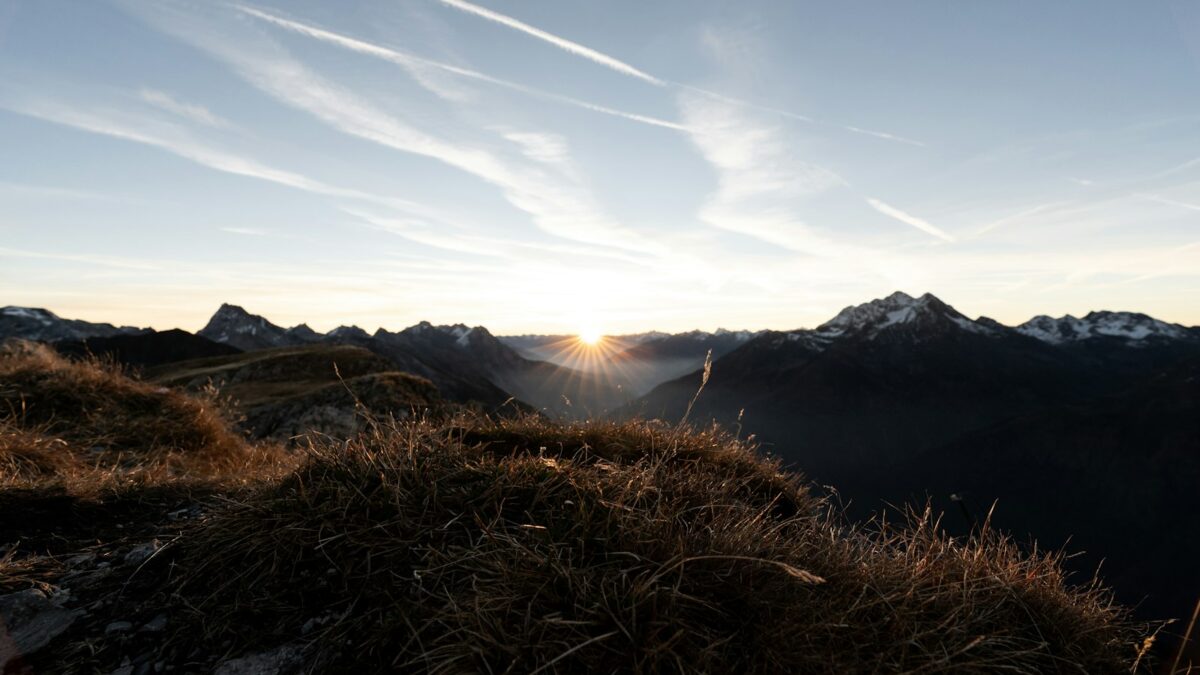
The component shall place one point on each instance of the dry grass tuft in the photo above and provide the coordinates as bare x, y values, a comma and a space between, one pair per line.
85, 419
525, 546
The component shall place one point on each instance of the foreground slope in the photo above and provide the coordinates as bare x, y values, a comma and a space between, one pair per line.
59, 417
525, 546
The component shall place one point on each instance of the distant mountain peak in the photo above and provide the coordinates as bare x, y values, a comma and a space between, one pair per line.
897, 309
42, 316
347, 332
1131, 326
304, 332
36, 323
462, 335
898, 313
227, 310
233, 325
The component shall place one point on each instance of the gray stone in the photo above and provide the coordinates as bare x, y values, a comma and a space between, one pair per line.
155, 625
284, 659
29, 620
118, 627
142, 552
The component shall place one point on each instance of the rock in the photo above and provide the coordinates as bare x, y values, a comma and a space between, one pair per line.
81, 560
278, 661
29, 620
118, 627
142, 552
155, 625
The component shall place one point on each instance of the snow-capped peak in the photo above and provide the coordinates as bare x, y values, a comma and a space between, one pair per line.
899, 307
738, 335
345, 332
897, 310
460, 333
1130, 326
43, 316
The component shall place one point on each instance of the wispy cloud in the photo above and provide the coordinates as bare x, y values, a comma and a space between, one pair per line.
550, 149
170, 138
189, 111
1020, 215
625, 68
884, 135
460, 240
87, 258
760, 181
560, 42
419, 66
1169, 202
51, 192
909, 219
558, 206
246, 231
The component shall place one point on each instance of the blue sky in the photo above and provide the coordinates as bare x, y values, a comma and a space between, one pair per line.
555, 165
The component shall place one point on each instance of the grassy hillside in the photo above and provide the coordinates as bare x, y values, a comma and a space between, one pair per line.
283, 393
477, 545
522, 546
59, 417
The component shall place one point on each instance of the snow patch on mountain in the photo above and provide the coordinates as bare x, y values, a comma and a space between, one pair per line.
42, 316
897, 310
1131, 326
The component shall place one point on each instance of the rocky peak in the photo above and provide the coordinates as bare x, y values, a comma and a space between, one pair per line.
898, 310
35, 323
348, 333
233, 325
1130, 326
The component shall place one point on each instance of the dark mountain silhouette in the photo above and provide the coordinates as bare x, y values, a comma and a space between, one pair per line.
1116, 476
42, 325
905, 397
878, 382
476, 353
234, 326
466, 364
147, 349
655, 359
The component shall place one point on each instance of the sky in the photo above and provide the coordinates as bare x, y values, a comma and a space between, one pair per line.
551, 166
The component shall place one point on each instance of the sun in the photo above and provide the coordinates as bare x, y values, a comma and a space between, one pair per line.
590, 337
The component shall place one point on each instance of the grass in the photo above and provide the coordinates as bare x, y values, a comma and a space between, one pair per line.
525, 546
286, 392
57, 415
495, 545
88, 454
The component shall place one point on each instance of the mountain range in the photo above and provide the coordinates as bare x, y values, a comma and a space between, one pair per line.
1078, 429
42, 325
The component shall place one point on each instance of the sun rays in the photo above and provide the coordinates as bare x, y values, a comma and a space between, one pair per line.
590, 337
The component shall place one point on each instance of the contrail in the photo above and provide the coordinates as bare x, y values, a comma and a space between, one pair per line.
923, 225
625, 68
884, 135
412, 61
561, 43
